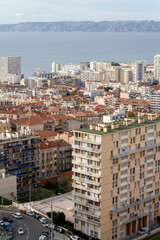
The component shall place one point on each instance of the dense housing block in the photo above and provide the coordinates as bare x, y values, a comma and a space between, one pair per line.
116, 177
19, 156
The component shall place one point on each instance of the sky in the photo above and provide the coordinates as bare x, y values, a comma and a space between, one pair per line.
15, 11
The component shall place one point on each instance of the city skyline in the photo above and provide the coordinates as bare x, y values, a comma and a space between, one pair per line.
40, 11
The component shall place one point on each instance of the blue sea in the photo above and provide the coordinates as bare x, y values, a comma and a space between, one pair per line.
39, 49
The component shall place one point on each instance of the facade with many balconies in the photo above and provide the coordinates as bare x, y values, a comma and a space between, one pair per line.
19, 156
116, 177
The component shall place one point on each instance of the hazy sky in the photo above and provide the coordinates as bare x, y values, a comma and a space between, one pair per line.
14, 11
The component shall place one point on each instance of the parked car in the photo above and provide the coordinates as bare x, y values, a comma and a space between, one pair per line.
11, 235
20, 231
30, 213
43, 237
143, 230
74, 237
60, 230
1, 222
17, 215
7, 226
51, 226
45, 233
43, 220
8, 219
37, 216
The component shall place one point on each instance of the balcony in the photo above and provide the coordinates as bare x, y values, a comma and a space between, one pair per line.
135, 150
86, 140
85, 203
86, 196
91, 213
123, 191
78, 170
86, 148
135, 203
134, 218
150, 167
124, 136
124, 168
124, 176
85, 164
149, 160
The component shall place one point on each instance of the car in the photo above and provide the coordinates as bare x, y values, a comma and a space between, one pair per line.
37, 216
9, 237
1, 222
51, 226
43, 220
143, 230
17, 215
43, 237
20, 231
11, 234
45, 233
74, 237
8, 219
30, 213
60, 230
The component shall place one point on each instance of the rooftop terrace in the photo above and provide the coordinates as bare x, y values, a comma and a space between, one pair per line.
121, 127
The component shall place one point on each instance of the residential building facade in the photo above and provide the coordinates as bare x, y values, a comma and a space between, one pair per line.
19, 156
116, 177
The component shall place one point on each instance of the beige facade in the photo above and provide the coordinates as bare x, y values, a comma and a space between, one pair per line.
55, 157
8, 185
116, 177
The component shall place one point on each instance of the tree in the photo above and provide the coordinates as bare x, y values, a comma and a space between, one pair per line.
130, 114
107, 89
64, 184
59, 218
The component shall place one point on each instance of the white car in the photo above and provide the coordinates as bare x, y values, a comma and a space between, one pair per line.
74, 237
42, 237
51, 226
143, 230
30, 213
17, 215
43, 220
1, 223
20, 231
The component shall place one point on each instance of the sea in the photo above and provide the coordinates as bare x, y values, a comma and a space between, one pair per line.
40, 49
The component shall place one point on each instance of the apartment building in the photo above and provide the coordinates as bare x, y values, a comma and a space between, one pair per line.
11, 65
155, 101
116, 177
87, 118
55, 157
132, 104
157, 67
19, 156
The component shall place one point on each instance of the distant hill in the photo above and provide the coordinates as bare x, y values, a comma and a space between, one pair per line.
83, 26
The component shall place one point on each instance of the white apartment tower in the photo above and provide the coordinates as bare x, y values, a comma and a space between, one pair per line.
11, 65
56, 66
157, 67
138, 69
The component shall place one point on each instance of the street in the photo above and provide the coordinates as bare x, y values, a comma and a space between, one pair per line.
30, 225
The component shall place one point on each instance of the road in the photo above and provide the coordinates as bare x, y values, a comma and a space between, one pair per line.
31, 226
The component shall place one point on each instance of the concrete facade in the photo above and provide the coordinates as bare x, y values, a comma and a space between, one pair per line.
115, 177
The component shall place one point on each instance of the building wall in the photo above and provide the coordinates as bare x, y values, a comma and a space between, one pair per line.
116, 180
8, 187
19, 156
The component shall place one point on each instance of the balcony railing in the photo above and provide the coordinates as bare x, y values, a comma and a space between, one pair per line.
135, 151
135, 203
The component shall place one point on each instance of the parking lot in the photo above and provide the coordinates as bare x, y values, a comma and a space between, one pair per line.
59, 203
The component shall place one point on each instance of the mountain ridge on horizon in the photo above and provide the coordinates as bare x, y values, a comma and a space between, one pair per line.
83, 26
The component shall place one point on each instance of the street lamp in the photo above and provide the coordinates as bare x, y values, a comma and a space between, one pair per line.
51, 220
29, 193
